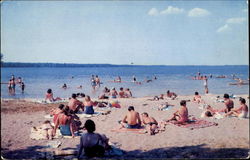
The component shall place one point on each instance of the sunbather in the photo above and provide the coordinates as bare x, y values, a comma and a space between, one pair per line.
240, 112
56, 112
180, 116
93, 144
132, 119
74, 104
150, 122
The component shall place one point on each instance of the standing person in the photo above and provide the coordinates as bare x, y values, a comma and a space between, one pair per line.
93, 144
22, 86
205, 85
97, 80
93, 82
131, 120
10, 86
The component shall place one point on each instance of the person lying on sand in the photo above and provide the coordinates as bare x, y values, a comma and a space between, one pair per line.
197, 98
240, 112
65, 122
157, 98
131, 120
49, 96
56, 112
93, 144
74, 104
164, 106
150, 123
171, 95
48, 129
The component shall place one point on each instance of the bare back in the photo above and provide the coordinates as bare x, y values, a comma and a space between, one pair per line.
132, 118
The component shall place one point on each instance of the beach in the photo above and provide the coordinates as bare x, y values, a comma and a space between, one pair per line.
228, 139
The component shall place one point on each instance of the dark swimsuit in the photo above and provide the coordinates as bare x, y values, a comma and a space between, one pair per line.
151, 123
89, 110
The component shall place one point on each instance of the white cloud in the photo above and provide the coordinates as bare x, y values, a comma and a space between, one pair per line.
172, 10
198, 12
153, 12
236, 20
224, 28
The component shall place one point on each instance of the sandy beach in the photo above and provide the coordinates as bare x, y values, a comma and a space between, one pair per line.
229, 139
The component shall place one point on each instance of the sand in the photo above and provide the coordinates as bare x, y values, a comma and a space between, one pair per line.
230, 139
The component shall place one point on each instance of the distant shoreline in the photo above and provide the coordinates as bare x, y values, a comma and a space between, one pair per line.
22, 64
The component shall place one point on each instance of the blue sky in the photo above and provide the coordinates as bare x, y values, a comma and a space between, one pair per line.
121, 32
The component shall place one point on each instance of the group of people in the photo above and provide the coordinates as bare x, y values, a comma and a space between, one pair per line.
12, 84
123, 93
95, 81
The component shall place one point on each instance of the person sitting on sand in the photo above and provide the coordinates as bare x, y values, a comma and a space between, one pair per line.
171, 95
93, 144
56, 112
240, 112
128, 93
76, 123
131, 120
74, 104
228, 103
180, 116
197, 98
49, 96
48, 129
65, 123
113, 93
150, 122
121, 93
88, 106
105, 94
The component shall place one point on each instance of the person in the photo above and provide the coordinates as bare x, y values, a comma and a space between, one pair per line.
49, 96
165, 106
171, 95
240, 112
128, 93
79, 87
19, 80
150, 122
131, 120
10, 86
229, 104
93, 82
121, 93
65, 123
74, 104
64, 86
197, 98
180, 116
134, 78
118, 79
155, 78
22, 86
48, 129
205, 85
105, 94
56, 112
157, 98
76, 123
98, 81
93, 144
88, 105
113, 93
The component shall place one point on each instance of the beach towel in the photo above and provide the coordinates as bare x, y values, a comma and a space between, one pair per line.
137, 131
195, 124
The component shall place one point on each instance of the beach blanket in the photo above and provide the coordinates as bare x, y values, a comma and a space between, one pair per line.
195, 124
137, 131
83, 115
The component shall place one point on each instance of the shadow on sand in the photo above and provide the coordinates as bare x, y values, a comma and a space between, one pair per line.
198, 151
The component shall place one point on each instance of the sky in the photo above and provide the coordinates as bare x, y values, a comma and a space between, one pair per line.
124, 32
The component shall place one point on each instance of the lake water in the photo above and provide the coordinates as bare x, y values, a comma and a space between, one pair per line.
173, 78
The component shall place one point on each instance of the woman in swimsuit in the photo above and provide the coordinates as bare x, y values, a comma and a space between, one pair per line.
49, 96
88, 106
56, 112
150, 122
65, 123
240, 112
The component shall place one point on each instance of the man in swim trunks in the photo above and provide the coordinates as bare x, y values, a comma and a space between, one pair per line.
74, 104
131, 120
180, 116
121, 93
150, 122
228, 103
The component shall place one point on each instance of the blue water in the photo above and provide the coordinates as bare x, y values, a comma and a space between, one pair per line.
173, 78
